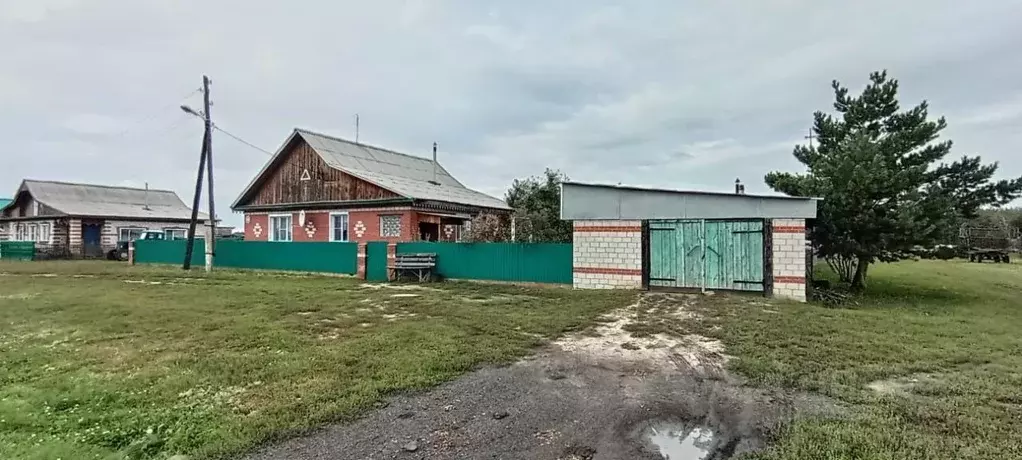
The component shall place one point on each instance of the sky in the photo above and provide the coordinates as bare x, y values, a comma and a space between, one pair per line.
663, 93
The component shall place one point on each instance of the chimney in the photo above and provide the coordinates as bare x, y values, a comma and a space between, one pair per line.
434, 182
146, 207
738, 187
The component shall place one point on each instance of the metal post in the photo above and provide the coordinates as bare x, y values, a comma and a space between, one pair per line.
211, 227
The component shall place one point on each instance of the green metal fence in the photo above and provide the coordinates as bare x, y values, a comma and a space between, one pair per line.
310, 257
526, 262
17, 250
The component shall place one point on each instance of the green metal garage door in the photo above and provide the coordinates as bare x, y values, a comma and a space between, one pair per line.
711, 254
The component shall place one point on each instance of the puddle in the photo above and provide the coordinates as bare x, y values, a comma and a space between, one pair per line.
677, 442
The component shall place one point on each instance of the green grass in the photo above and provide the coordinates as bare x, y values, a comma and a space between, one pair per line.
955, 327
96, 364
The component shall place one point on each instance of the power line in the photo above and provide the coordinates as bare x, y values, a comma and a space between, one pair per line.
130, 126
243, 141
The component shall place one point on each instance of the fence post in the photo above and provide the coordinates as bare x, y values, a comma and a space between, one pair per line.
391, 258
360, 264
131, 253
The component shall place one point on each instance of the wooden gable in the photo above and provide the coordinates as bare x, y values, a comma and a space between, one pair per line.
303, 177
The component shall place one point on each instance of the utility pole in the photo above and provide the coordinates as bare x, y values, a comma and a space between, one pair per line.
356, 128
189, 246
205, 166
208, 136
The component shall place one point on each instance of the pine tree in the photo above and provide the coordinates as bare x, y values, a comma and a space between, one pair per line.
884, 184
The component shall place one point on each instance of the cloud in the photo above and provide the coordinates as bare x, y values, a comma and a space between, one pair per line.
650, 93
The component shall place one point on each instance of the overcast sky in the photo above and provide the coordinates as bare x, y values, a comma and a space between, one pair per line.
669, 93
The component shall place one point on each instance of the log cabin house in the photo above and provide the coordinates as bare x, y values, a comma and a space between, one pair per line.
86, 220
322, 188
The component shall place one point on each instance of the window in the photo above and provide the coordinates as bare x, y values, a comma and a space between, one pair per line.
175, 233
35, 208
390, 226
22, 233
129, 233
44, 233
339, 226
280, 228
33, 232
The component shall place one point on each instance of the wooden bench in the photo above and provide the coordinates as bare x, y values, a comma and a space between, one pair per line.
419, 264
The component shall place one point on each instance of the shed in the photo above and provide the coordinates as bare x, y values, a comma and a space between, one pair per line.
632, 237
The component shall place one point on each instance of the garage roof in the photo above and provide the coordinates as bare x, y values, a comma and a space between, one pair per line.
580, 201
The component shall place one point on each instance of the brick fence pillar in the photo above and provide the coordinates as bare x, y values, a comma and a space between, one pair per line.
360, 264
391, 256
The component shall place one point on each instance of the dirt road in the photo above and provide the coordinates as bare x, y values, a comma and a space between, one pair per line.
602, 395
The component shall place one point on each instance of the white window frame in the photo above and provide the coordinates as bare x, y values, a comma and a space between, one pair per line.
347, 222
33, 232
169, 236
273, 228
45, 233
398, 216
21, 232
121, 230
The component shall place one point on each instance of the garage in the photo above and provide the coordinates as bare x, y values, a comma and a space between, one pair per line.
631, 238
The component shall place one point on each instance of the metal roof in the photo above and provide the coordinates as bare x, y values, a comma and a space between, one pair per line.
594, 201
4, 202
406, 175
106, 201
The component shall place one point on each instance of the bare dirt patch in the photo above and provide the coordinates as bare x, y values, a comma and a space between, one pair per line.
599, 394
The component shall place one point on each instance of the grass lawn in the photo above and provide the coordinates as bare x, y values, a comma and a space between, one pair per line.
101, 360
941, 342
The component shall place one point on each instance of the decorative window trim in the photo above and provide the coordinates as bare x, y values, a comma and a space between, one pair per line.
347, 220
272, 236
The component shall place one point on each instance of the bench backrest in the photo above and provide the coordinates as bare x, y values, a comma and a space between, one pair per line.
423, 259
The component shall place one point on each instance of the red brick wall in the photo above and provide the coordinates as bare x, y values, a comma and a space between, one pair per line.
250, 227
316, 228
320, 221
371, 221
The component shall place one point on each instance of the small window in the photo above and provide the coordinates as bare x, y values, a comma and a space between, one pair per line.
22, 233
175, 233
44, 233
129, 233
390, 226
339, 227
33, 232
280, 228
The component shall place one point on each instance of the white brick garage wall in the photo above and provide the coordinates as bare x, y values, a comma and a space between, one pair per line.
789, 259
607, 254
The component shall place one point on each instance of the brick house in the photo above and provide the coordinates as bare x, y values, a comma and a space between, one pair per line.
322, 188
631, 238
69, 219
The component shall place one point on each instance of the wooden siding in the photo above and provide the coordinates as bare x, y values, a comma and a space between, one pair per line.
24, 206
284, 185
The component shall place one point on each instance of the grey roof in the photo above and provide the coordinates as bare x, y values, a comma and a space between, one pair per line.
580, 201
106, 201
406, 175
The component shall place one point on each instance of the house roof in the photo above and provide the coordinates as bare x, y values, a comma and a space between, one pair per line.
107, 201
4, 202
406, 175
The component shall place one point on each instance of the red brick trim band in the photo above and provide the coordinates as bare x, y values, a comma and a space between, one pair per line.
609, 228
609, 271
789, 229
790, 279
